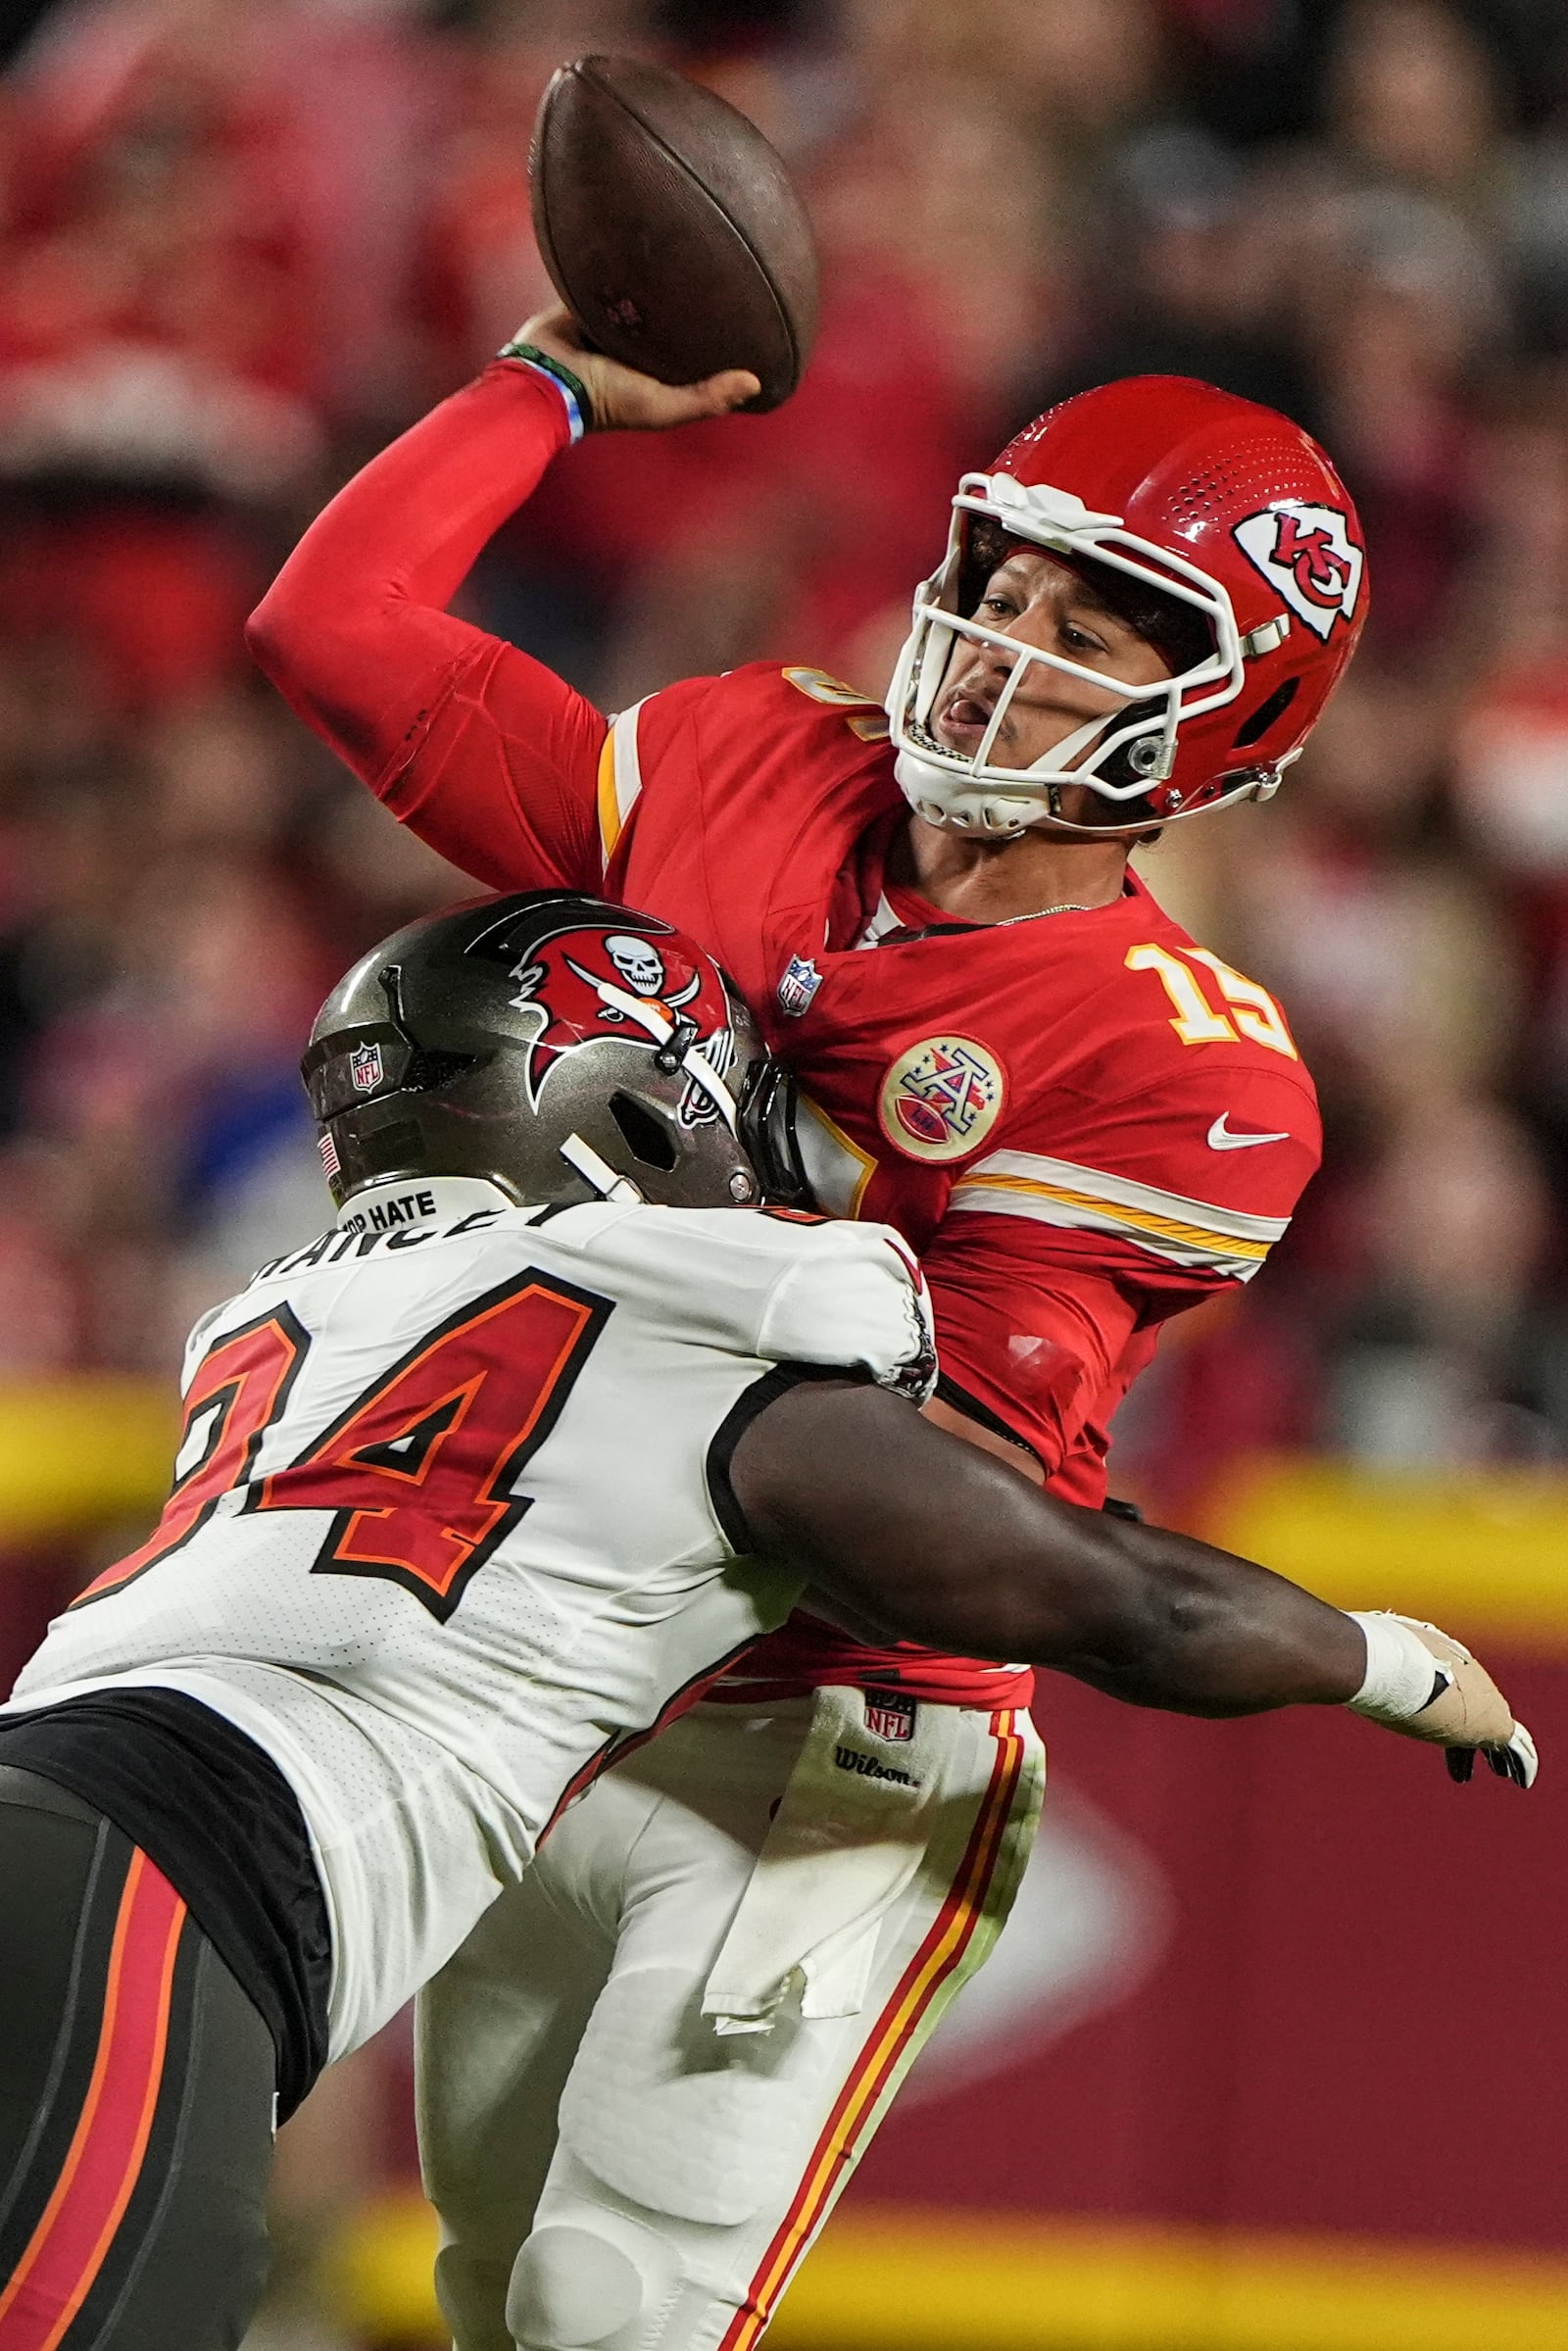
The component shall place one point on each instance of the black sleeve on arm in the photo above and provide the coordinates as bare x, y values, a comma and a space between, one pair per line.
930, 1540
959, 1400
734, 1425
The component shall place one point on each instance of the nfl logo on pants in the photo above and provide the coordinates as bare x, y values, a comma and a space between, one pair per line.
888, 1716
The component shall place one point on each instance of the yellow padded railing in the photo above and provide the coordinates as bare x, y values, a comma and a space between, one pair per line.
935, 2281
83, 1452
1485, 1551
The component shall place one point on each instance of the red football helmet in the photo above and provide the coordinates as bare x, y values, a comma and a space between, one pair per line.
1225, 506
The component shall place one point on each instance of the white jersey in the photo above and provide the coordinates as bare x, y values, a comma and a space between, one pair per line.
443, 1533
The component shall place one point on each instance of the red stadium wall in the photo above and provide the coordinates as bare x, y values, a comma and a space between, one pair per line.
1358, 1989
1273, 2055
1271, 2059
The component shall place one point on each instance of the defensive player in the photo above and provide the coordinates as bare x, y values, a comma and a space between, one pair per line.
265, 1772
1083, 1122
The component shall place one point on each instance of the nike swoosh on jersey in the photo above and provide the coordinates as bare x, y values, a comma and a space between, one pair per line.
1220, 1137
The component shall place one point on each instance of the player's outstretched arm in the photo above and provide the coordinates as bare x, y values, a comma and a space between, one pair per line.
353, 631
485, 752
926, 1539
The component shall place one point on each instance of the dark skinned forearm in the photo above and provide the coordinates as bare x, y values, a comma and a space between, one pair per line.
923, 1537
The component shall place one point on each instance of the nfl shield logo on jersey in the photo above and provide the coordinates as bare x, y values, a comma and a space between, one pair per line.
799, 986
365, 1068
942, 1098
890, 1715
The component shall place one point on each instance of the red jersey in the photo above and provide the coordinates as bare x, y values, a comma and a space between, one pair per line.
1081, 1120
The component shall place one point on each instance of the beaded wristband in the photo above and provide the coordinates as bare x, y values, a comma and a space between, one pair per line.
548, 364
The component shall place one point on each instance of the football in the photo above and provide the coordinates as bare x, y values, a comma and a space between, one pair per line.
670, 226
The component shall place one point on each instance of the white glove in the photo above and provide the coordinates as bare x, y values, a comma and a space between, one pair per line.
1421, 1683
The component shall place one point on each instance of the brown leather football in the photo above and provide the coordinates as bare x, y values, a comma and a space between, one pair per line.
668, 225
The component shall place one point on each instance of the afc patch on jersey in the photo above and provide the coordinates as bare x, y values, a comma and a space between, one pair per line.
1307, 555
941, 1098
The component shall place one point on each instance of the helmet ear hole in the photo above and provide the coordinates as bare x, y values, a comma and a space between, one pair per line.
431, 1068
1252, 731
645, 1136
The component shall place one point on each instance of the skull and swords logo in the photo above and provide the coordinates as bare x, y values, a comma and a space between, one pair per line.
641, 968
582, 982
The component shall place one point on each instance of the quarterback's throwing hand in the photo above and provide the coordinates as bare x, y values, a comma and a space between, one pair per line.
620, 397
1427, 1686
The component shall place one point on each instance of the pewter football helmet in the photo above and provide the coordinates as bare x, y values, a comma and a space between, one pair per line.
563, 1048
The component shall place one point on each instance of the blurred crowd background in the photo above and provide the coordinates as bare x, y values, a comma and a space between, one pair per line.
242, 242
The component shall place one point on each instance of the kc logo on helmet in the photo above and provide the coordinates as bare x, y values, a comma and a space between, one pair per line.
1307, 554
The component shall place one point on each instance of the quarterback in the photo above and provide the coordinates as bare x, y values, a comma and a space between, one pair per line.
1081, 1120
265, 1773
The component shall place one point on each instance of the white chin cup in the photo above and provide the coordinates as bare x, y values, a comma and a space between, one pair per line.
947, 800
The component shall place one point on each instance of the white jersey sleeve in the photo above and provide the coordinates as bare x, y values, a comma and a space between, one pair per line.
442, 1536
784, 1288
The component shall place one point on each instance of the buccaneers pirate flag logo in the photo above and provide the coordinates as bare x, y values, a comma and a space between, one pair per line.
596, 979
1307, 554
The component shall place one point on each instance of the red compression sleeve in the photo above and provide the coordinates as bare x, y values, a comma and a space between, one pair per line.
486, 754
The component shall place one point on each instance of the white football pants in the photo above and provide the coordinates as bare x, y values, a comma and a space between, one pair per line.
615, 2167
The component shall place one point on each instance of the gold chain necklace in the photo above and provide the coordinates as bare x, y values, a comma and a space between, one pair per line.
1072, 907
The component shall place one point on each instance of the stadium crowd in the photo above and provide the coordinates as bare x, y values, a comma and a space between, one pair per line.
241, 242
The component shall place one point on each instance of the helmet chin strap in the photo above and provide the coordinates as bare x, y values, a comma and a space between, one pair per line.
658, 1024
598, 1173
953, 796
